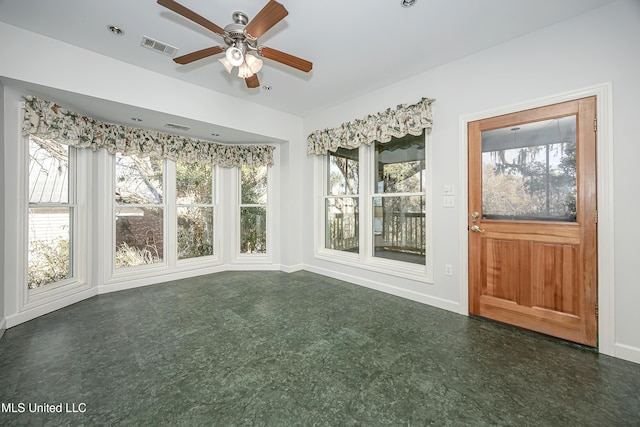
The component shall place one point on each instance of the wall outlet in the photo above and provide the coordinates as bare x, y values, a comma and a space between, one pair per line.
448, 270
449, 190
448, 201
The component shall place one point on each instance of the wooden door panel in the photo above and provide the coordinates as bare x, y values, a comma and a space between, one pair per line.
539, 274
554, 277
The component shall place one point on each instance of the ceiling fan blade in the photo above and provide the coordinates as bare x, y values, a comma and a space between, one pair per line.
286, 59
252, 82
194, 56
270, 15
191, 15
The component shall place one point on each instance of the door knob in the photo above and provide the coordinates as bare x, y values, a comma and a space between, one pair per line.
476, 229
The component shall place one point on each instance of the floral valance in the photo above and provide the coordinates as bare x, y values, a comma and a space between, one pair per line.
405, 119
46, 119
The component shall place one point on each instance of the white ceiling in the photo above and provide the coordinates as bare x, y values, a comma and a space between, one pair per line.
355, 46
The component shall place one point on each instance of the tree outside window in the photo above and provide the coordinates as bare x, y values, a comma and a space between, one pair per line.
195, 209
253, 210
139, 211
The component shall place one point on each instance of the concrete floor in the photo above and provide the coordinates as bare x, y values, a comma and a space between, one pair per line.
277, 349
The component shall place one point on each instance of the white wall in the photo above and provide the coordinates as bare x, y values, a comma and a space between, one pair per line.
595, 48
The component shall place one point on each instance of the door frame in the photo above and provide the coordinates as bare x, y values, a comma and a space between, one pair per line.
606, 318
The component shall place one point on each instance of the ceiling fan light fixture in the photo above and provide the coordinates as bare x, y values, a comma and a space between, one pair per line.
244, 71
255, 64
227, 65
234, 56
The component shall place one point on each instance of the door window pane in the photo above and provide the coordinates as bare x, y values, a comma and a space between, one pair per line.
529, 171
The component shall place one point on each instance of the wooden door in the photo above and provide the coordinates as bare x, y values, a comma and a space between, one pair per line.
533, 218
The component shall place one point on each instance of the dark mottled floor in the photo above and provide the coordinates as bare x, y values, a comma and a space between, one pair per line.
276, 349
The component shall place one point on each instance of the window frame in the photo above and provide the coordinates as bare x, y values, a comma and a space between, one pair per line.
165, 221
259, 257
365, 259
171, 168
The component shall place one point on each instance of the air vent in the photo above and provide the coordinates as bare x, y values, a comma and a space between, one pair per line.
150, 43
175, 126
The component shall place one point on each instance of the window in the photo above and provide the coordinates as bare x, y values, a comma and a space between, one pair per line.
342, 215
253, 210
398, 202
375, 205
529, 171
52, 213
139, 211
195, 209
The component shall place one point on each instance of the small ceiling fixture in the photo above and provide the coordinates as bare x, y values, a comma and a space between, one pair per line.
267, 87
241, 41
215, 135
115, 30
407, 3
136, 119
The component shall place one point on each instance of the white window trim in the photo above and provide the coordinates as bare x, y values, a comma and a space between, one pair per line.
79, 180
365, 259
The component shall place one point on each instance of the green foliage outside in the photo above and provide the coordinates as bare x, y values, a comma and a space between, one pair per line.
253, 219
48, 262
130, 256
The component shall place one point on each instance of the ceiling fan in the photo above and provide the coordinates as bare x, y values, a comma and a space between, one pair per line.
241, 38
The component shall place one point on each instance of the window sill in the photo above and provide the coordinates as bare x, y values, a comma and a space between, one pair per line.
401, 269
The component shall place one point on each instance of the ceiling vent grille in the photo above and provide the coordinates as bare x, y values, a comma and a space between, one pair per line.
150, 43
175, 126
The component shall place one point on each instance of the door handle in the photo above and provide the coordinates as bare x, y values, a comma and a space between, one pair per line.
476, 229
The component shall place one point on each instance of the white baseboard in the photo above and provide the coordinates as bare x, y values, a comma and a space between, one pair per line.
3, 327
627, 352
291, 268
122, 284
31, 313
389, 289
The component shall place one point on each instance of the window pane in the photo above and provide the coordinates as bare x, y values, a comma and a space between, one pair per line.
195, 232
48, 171
253, 230
343, 172
49, 253
529, 171
400, 165
139, 236
194, 184
342, 224
399, 228
138, 180
254, 185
